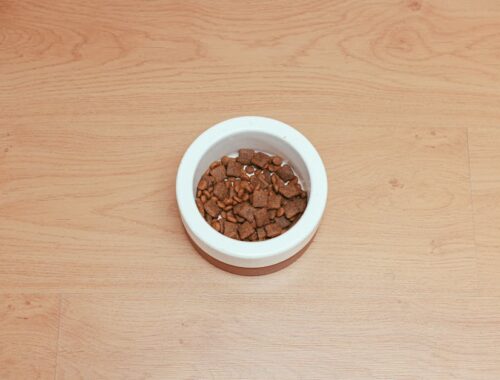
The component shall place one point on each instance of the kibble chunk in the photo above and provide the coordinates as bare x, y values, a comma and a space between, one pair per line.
260, 159
245, 211
273, 230
234, 169
219, 173
283, 222
245, 156
285, 173
294, 207
211, 208
261, 233
262, 181
220, 190
245, 230
261, 217
259, 198
273, 200
231, 230
289, 190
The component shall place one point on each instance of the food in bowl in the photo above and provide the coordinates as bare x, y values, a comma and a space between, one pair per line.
254, 196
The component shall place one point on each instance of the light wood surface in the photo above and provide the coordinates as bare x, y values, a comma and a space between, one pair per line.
98, 101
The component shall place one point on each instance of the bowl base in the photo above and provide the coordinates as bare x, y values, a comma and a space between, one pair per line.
243, 271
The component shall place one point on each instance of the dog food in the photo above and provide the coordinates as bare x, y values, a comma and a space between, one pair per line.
251, 197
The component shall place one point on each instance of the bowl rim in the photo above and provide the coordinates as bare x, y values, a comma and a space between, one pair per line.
290, 241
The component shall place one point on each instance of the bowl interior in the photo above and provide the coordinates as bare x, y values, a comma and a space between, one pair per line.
259, 141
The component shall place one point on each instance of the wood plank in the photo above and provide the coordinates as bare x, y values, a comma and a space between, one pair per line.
214, 335
384, 63
485, 175
29, 327
98, 101
89, 211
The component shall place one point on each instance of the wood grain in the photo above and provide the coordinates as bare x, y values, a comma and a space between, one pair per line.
208, 335
485, 167
98, 102
29, 328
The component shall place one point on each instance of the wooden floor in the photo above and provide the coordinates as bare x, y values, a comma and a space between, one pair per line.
100, 98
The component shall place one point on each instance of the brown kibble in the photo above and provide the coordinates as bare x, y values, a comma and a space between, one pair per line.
231, 229
267, 176
231, 217
245, 185
294, 207
245, 230
261, 217
216, 225
254, 180
220, 190
203, 184
245, 156
250, 197
271, 214
210, 180
214, 164
285, 173
211, 208
283, 222
245, 211
289, 190
219, 173
263, 183
259, 198
260, 159
273, 200
234, 169
273, 230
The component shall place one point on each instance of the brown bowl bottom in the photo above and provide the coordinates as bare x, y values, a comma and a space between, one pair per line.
242, 271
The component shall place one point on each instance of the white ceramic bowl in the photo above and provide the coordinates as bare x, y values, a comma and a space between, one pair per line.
262, 134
